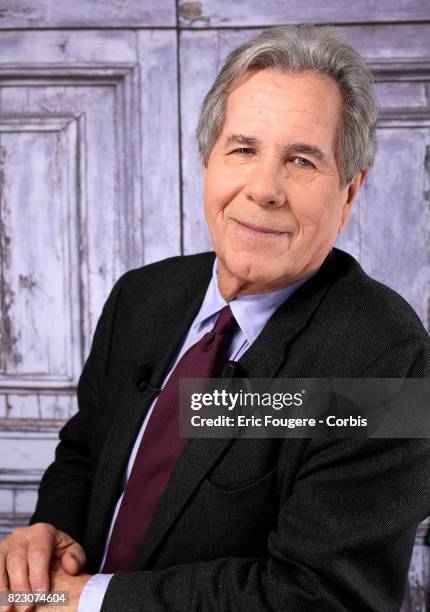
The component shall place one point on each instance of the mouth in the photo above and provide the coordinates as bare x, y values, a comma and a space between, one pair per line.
259, 230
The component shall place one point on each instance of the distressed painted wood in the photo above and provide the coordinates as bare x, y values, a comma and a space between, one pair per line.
199, 66
120, 95
85, 47
390, 228
75, 110
390, 42
394, 242
18, 448
142, 66
417, 593
18, 487
161, 222
224, 13
98, 151
39, 286
35, 408
81, 13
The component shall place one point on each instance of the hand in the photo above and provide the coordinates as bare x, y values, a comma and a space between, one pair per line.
63, 581
25, 558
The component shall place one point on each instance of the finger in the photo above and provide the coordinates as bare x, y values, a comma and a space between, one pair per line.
73, 559
4, 582
70, 553
40, 550
39, 558
17, 570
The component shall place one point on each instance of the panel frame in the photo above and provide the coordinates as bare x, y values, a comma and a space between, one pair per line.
124, 78
60, 124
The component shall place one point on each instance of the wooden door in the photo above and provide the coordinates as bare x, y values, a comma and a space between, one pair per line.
99, 173
90, 187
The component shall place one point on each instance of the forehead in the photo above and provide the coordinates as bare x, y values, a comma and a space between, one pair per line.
275, 104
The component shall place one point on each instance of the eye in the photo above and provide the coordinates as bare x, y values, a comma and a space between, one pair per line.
243, 151
302, 162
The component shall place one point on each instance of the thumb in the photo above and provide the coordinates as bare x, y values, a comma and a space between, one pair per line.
74, 559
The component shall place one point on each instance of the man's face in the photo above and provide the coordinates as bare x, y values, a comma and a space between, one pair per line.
272, 195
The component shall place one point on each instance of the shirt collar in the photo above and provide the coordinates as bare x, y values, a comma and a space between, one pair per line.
250, 311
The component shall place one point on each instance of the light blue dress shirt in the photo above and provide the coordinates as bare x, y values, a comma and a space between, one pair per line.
251, 312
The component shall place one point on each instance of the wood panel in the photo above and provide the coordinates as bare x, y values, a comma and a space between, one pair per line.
101, 258
81, 13
91, 132
417, 593
18, 486
38, 168
389, 230
397, 254
224, 13
161, 223
89, 160
116, 108
35, 410
199, 62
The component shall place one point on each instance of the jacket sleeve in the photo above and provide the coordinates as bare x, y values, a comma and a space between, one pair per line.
344, 537
65, 486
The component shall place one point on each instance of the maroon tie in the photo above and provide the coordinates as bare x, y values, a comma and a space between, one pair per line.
161, 445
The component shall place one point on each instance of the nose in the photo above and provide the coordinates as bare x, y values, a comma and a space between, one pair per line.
265, 186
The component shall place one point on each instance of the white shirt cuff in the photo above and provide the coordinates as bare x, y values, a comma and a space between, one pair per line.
93, 593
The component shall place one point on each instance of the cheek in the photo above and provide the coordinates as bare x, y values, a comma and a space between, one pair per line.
315, 208
213, 206
221, 187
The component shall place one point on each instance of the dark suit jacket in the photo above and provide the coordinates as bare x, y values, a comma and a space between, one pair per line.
244, 524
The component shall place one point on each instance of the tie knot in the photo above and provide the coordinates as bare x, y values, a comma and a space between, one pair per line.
226, 323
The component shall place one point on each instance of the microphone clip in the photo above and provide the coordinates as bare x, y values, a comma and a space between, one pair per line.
141, 377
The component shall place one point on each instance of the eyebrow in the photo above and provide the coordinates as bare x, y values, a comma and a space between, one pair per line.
294, 147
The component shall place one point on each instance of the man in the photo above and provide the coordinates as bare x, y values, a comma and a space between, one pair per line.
286, 138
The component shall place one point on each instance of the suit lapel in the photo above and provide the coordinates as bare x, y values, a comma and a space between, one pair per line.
201, 454
161, 330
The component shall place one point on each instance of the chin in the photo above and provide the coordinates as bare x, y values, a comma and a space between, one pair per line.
254, 268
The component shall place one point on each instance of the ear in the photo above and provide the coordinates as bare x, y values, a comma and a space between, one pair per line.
351, 191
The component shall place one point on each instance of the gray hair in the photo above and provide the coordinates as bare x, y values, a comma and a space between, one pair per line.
297, 49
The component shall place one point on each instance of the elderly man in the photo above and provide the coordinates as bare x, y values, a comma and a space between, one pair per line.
137, 518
